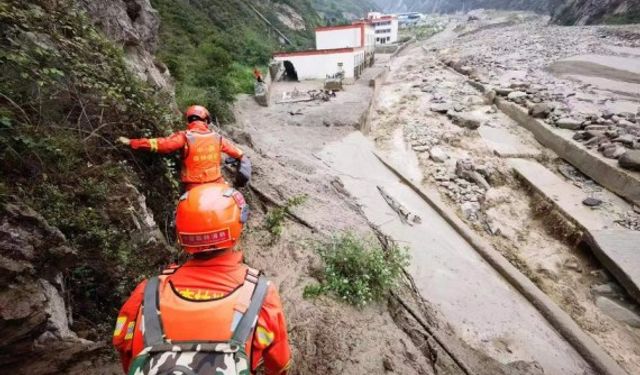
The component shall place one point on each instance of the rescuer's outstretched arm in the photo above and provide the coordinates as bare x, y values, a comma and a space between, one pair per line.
163, 145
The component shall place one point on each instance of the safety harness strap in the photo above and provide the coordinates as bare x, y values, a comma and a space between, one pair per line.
250, 317
153, 333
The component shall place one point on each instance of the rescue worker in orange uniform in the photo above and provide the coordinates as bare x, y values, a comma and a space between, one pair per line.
199, 299
201, 150
258, 74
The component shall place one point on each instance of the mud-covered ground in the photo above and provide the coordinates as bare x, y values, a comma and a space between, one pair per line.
328, 336
522, 226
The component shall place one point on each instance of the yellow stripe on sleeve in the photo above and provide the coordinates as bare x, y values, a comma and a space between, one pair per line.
264, 337
154, 145
119, 325
130, 328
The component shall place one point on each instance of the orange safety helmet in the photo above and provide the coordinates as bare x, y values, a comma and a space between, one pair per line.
197, 113
210, 217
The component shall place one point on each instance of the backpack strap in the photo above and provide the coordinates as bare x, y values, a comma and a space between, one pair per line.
153, 333
250, 317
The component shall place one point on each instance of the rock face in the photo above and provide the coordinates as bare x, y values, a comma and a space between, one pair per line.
32, 257
134, 25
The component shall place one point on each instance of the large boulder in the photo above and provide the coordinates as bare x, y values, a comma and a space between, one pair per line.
469, 120
630, 160
541, 110
568, 123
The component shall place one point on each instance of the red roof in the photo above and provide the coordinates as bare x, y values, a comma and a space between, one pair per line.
316, 52
382, 18
339, 27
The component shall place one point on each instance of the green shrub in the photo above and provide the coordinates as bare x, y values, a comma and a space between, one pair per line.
357, 271
274, 221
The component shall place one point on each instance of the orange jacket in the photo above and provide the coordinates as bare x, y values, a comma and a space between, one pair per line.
207, 279
201, 151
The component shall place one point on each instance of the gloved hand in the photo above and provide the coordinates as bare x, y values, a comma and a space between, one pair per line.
124, 140
243, 177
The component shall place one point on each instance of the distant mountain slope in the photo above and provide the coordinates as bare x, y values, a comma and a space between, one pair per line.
586, 12
344, 8
448, 6
565, 12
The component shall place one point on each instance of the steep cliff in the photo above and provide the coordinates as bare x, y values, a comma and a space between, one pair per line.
77, 213
133, 25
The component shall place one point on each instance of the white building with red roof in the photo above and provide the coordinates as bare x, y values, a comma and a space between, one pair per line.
345, 49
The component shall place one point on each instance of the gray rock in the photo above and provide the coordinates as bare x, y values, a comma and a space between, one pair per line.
438, 155
517, 96
592, 202
466, 170
568, 123
626, 124
630, 160
541, 110
502, 91
440, 108
626, 139
467, 120
491, 97
420, 148
618, 311
133, 24
613, 151
596, 127
470, 210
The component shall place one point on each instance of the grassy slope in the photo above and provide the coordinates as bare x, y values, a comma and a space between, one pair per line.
211, 46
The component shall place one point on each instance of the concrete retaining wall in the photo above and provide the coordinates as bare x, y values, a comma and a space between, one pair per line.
376, 83
558, 318
603, 171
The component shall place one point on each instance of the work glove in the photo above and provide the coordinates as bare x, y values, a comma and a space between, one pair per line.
124, 140
243, 177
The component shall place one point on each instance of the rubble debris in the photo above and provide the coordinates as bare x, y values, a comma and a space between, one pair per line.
465, 169
438, 155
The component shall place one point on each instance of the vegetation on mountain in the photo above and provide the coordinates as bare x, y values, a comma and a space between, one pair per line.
212, 46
